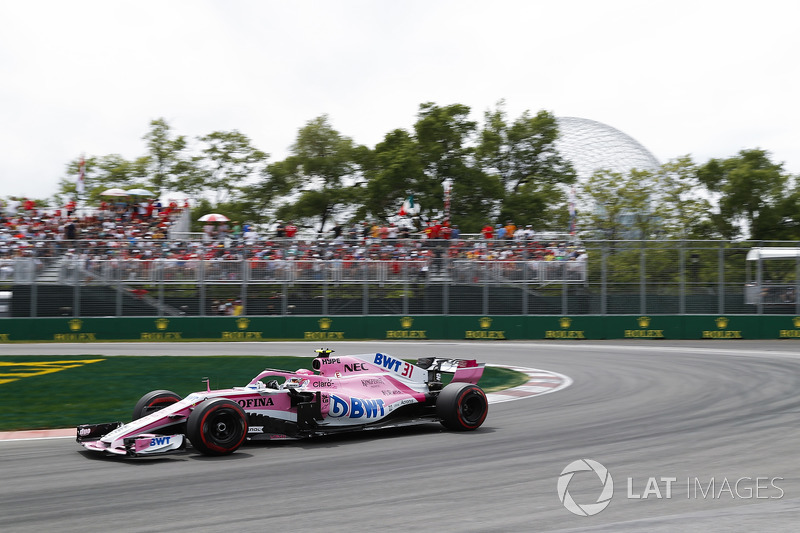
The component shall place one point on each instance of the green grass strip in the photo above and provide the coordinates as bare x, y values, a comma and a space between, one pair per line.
47, 392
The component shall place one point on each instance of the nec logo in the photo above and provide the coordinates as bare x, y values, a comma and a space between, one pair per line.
355, 367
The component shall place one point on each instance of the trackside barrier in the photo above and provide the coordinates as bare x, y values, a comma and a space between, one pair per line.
411, 327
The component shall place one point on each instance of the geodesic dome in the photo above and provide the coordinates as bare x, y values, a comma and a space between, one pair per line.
590, 145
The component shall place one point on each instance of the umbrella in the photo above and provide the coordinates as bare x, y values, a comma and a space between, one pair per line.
114, 192
213, 217
139, 192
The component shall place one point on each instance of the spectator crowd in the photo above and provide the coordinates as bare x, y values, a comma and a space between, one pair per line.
141, 231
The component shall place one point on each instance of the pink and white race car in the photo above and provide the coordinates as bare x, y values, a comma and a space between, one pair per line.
346, 393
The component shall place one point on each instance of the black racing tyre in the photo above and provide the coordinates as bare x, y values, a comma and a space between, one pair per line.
462, 406
154, 401
217, 427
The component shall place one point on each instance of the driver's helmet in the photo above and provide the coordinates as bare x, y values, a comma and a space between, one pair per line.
292, 383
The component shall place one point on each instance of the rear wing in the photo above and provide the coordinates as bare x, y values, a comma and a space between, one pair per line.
463, 370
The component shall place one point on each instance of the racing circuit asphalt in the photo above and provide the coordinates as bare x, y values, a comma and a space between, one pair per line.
695, 411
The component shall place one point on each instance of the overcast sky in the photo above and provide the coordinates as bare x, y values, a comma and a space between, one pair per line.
706, 78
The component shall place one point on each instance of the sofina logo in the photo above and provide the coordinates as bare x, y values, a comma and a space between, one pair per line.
242, 323
721, 332
791, 333
565, 323
161, 324
406, 333
587, 509
323, 335
485, 333
75, 324
643, 331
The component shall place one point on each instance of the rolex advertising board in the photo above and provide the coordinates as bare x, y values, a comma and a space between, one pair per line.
400, 327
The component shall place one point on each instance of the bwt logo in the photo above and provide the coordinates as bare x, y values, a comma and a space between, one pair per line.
587, 509
356, 407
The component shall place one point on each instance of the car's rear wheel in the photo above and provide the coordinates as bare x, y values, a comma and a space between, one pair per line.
217, 427
154, 401
462, 406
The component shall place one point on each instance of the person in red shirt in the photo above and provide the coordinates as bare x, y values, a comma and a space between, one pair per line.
436, 229
488, 232
30, 206
445, 231
291, 230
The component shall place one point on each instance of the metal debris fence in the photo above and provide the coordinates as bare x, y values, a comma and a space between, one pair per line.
617, 277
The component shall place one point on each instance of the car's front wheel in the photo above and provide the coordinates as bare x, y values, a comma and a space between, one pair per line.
462, 406
154, 401
217, 427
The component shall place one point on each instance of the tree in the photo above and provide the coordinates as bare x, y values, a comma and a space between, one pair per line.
100, 173
393, 171
620, 206
322, 168
787, 227
523, 156
684, 204
258, 200
443, 136
230, 162
168, 166
751, 190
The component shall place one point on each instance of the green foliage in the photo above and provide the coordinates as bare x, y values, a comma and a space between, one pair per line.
231, 161
394, 170
682, 212
621, 206
101, 173
167, 164
324, 172
501, 170
523, 156
752, 189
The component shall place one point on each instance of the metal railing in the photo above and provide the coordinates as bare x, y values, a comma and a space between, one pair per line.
612, 277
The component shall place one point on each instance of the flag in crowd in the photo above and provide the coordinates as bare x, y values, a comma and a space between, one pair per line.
572, 215
448, 186
81, 185
409, 207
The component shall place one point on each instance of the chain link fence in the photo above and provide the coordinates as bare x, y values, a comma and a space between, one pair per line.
607, 278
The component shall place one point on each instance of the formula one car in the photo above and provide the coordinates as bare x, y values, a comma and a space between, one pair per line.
347, 393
